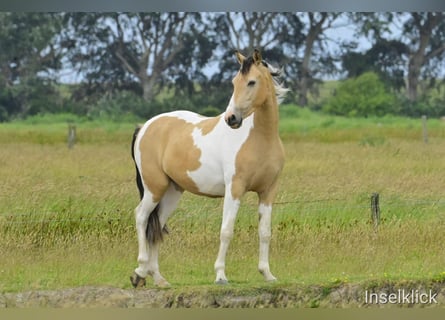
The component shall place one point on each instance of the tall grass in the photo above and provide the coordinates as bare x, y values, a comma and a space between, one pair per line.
66, 216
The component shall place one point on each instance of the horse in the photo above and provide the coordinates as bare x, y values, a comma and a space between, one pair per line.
224, 156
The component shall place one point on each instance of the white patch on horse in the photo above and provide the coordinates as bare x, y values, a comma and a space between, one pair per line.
187, 116
219, 149
264, 232
231, 106
137, 150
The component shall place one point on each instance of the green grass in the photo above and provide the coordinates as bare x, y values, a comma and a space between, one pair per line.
299, 123
66, 216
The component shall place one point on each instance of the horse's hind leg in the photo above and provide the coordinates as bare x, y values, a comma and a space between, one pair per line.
142, 213
167, 204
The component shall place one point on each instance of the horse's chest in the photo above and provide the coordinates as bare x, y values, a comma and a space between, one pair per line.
259, 164
218, 151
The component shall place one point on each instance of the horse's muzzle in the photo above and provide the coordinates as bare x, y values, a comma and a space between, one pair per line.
234, 122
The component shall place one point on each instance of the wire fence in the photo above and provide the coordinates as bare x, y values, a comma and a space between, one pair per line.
306, 206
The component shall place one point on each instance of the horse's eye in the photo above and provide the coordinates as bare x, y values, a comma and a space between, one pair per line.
251, 83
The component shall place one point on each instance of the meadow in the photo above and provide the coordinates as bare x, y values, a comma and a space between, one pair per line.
67, 215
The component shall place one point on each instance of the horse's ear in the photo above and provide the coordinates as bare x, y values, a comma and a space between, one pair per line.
240, 57
257, 59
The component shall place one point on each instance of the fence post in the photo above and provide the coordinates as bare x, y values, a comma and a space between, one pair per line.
424, 129
375, 210
71, 135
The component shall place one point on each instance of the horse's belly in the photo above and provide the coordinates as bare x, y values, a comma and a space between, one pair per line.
209, 180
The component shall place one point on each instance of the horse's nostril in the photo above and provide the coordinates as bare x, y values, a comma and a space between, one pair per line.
232, 119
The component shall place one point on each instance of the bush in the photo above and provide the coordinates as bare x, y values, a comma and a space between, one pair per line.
363, 96
210, 111
3, 114
118, 105
431, 103
49, 118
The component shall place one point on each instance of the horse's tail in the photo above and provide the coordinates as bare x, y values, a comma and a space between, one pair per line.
154, 231
138, 174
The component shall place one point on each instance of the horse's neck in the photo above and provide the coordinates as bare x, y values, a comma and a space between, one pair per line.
266, 118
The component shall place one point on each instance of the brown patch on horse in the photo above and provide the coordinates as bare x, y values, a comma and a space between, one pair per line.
167, 157
258, 164
164, 158
208, 125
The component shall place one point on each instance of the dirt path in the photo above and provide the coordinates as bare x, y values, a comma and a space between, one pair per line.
344, 295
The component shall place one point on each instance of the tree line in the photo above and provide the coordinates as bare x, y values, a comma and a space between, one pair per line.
146, 63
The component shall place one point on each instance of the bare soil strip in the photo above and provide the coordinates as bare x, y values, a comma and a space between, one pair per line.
409, 294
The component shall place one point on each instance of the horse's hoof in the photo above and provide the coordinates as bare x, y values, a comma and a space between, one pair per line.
162, 283
222, 282
268, 277
137, 281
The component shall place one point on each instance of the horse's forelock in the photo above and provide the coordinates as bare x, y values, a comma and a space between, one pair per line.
247, 64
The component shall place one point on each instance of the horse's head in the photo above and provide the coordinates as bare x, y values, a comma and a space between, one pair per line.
252, 86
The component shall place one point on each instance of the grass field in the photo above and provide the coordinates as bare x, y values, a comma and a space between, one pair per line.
66, 216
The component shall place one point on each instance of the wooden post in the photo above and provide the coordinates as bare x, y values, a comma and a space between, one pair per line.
424, 129
71, 135
375, 210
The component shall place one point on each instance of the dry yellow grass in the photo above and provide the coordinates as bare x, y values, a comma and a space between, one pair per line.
66, 216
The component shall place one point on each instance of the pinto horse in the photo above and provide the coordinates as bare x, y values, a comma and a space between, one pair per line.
224, 156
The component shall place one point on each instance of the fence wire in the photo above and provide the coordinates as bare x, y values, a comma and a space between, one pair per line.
306, 206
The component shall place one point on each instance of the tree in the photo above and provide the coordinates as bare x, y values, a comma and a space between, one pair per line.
314, 34
138, 51
29, 58
246, 31
425, 34
386, 58
420, 37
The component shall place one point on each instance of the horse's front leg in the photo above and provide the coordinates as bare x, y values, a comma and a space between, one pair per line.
264, 232
230, 210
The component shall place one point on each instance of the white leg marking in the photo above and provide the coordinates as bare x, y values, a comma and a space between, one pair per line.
153, 266
167, 205
142, 213
264, 232
230, 210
